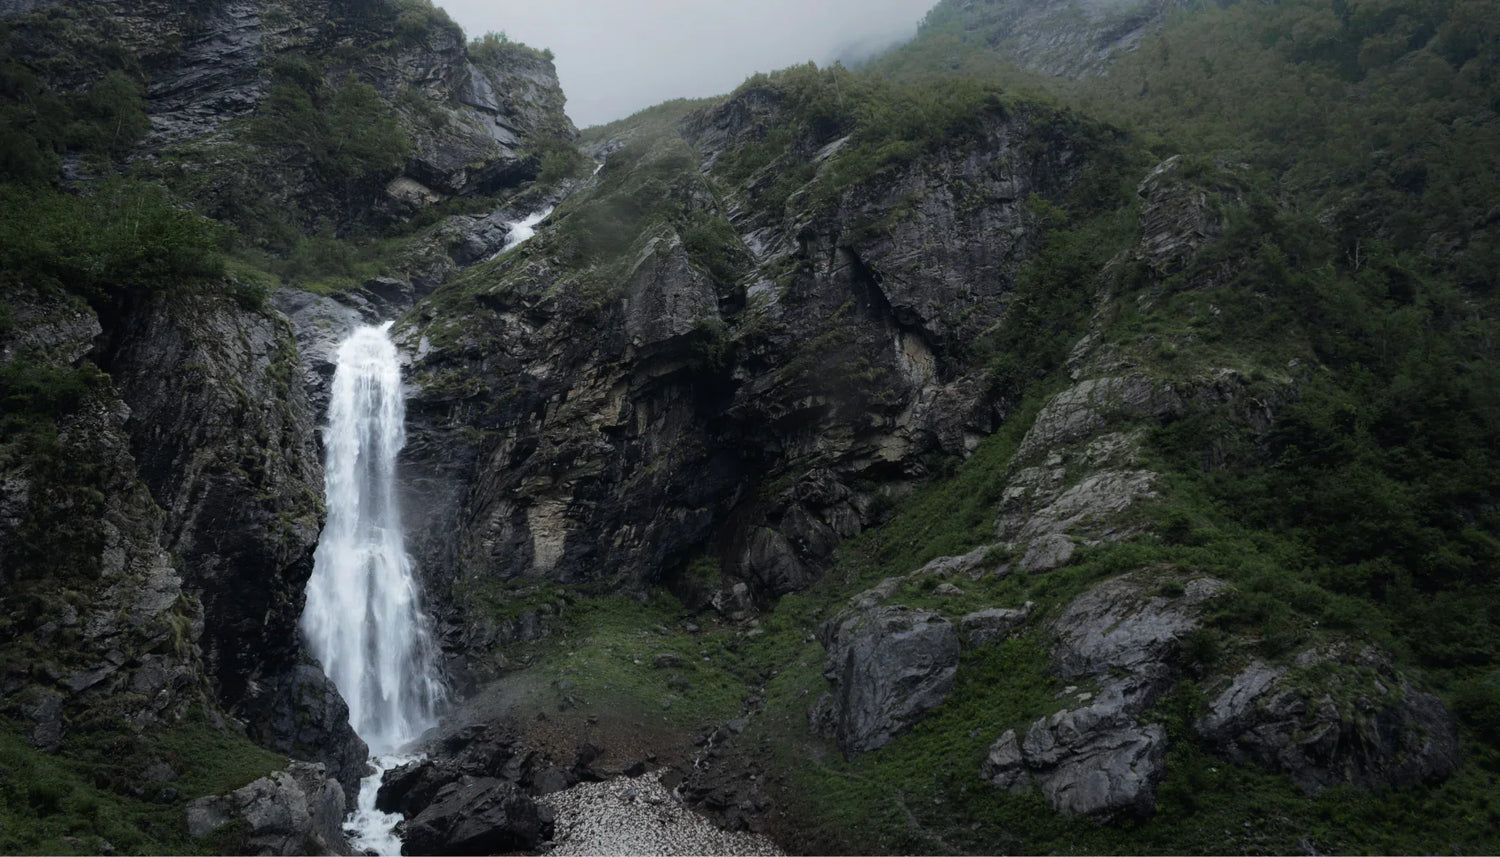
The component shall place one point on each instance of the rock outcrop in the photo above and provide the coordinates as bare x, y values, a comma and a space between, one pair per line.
299, 713
478, 815
295, 811
224, 438
223, 435
758, 408
888, 666
1334, 716
1121, 638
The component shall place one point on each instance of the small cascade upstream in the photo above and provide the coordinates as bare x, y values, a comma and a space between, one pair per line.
363, 618
521, 231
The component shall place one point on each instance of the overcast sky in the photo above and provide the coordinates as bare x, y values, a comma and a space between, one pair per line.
617, 56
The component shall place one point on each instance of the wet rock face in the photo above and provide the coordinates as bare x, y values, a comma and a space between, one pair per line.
888, 667
1333, 717
301, 714
216, 76
223, 436
295, 811
624, 436
474, 794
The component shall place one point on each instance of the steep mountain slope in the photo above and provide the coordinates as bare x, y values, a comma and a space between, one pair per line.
902, 461
1182, 575
163, 485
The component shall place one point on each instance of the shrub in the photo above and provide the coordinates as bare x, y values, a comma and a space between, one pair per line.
119, 237
1477, 702
345, 133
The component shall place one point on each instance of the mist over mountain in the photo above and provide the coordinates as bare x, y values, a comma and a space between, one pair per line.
614, 59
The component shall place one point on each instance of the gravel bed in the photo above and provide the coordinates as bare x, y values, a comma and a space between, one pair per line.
638, 816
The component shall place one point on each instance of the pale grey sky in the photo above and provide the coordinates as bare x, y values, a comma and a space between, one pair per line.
616, 57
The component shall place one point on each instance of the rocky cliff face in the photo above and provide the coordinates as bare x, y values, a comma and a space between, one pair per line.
178, 558
212, 480
439, 121
102, 627
574, 430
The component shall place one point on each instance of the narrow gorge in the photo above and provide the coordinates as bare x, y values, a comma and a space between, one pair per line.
1073, 429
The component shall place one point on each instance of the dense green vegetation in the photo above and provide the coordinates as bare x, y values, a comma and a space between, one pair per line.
343, 132
92, 796
119, 237
1358, 239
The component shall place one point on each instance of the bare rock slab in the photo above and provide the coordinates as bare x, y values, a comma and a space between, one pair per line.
888, 666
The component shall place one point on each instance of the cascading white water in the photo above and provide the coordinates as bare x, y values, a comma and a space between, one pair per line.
521, 231
363, 617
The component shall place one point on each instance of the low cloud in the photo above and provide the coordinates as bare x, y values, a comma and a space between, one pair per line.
615, 58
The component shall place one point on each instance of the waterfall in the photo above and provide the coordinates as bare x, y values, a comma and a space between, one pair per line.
363, 617
521, 231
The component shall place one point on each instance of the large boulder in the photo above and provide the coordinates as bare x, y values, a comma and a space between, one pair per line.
301, 714
478, 815
295, 811
888, 667
1093, 760
1335, 716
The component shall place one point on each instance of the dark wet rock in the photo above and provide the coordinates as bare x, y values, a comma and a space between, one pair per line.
692, 414
1335, 716
320, 324
295, 811
215, 77
668, 297
301, 714
408, 788
477, 815
888, 667
553, 779
478, 741
224, 438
